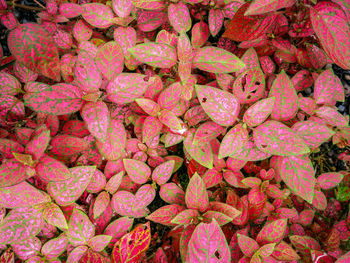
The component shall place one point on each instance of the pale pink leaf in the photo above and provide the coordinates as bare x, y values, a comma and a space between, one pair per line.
203, 155
328, 88
162, 173
216, 21
208, 244
329, 180
99, 242
233, 141
101, 203
80, 228
27, 248
331, 116
53, 215
259, 112
55, 247
138, 171
119, 228
68, 191
50, 169
272, 232
98, 15
172, 194
179, 17
196, 194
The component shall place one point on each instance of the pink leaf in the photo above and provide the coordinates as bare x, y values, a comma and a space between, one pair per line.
119, 228
96, 117
221, 106
126, 38
259, 112
208, 243
247, 245
7, 147
200, 34
165, 214
278, 139
9, 84
60, 99
286, 99
110, 60
101, 203
53, 215
50, 169
298, 173
55, 247
319, 201
86, 74
80, 228
68, 191
196, 194
285, 252
312, 133
216, 21
114, 182
212, 177
124, 203
331, 116
216, 60
272, 232
33, 47
98, 243
185, 217
27, 248
207, 132
115, 143
170, 97
149, 4
221, 218
328, 88
145, 195
179, 17
233, 141
259, 7
138, 171
169, 119
12, 173
70, 10
98, 15
20, 224
344, 258
329, 180
126, 87
66, 145
162, 173
122, 7
155, 54
184, 48
250, 152
332, 29
38, 144
172, 193
22, 195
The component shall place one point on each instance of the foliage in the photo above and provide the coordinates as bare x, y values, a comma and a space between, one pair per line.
157, 131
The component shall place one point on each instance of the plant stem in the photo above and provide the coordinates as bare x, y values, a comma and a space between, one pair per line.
28, 7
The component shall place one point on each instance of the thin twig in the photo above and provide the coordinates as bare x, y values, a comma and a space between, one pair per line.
28, 7
39, 4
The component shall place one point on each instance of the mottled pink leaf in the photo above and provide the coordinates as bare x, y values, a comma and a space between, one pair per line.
247, 245
258, 7
196, 194
172, 193
33, 47
50, 169
285, 252
298, 173
329, 180
70, 10
185, 217
312, 133
86, 74
96, 117
233, 141
200, 34
344, 258
208, 244
22, 195
122, 7
165, 214
149, 4
179, 17
169, 119
328, 88
77, 253
155, 54
332, 29
278, 139
68, 191
272, 232
126, 38
259, 112
66, 145
331, 116
221, 106
216, 60
203, 155
98, 243
20, 224
126, 87
250, 152
55, 247
115, 143
12, 172
162, 173
216, 21
138, 171
27, 248
80, 228
53, 215
286, 100
9, 84
110, 60
119, 228
124, 203
114, 182
304, 243
98, 15
207, 132
101, 203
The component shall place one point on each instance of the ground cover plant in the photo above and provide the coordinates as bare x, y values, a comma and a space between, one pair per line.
175, 131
